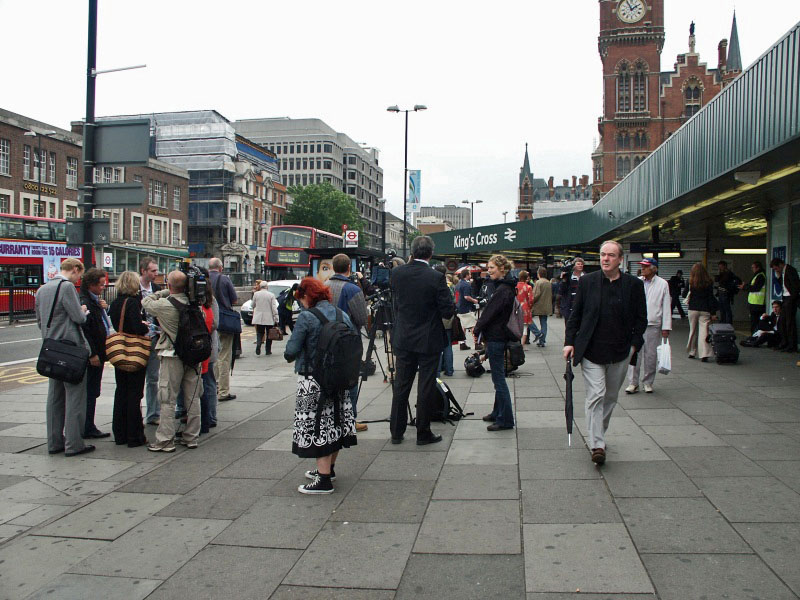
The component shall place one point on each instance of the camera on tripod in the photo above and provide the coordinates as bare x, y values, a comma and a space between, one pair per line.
196, 283
382, 270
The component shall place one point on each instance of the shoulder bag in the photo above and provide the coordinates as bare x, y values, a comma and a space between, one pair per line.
62, 360
230, 321
127, 351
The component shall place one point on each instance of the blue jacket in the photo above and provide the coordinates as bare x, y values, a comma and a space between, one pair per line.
302, 346
346, 296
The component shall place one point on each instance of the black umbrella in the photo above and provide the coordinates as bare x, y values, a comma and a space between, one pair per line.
568, 411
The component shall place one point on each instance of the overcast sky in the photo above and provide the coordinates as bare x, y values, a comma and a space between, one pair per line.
494, 75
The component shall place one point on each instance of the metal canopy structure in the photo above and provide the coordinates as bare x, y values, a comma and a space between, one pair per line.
721, 169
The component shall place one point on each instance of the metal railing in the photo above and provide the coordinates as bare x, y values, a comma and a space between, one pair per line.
17, 303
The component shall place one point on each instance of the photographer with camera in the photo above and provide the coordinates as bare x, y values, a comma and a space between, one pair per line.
492, 325
176, 372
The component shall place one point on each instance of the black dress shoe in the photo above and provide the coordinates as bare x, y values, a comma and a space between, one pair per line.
489, 418
96, 435
258, 350
86, 449
226, 398
496, 427
397, 440
429, 439
55, 451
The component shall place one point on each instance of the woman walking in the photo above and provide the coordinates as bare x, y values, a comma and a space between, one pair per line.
265, 316
323, 422
492, 326
702, 311
524, 293
126, 421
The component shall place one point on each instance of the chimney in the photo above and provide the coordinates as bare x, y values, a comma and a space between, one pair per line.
76, 127
551, 192
585, 182
574, 182
722, 55
565, 182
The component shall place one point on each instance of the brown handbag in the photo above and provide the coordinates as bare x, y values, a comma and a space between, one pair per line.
127, 351
274, 334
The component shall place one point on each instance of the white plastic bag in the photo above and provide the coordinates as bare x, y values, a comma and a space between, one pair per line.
664, 357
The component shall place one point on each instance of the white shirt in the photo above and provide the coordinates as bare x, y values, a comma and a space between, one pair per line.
783, 282
659, 303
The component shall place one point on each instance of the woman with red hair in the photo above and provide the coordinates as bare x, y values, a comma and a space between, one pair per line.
323, 422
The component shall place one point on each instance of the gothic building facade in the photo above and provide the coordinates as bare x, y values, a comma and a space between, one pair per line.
534, 193
643, 106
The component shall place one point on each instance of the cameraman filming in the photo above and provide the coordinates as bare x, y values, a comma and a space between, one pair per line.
173, 375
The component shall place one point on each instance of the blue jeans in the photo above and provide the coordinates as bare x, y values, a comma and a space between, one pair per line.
151, 386
537, 332
208, 401
446, 358
725, 309
503, 411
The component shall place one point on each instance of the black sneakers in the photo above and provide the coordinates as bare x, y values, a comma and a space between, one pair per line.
319, 485
315, 473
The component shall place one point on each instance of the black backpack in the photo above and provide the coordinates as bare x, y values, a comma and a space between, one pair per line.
444, 406
337, 360
193, 342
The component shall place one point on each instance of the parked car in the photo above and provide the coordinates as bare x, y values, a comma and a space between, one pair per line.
276, 287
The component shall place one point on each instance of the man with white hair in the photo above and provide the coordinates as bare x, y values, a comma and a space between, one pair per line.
226, 297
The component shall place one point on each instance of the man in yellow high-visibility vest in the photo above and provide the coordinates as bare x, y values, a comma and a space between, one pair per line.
756, 294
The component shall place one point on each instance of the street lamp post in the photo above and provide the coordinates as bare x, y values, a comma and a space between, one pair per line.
382, 202
397, 109
42, 163
505, 212
472, 204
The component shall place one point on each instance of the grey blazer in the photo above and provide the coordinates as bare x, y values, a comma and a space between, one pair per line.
68, 315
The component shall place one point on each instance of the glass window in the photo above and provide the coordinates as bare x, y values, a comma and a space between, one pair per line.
5, 203
305, 148
136, 232
326, 164
624, 89
291, 237
26, 162
72, 173
157, 193
319, 148
5, 157
176, 198
176, 234
71, 212
291, 148
115, 225
327, 148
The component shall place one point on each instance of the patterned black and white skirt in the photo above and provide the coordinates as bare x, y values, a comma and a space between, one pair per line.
337, 425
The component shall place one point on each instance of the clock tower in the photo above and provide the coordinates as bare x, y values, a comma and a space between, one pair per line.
630, 43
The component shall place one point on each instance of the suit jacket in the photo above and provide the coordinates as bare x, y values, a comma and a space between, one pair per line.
586, 311
791, 281
265, 308
68, 317
94, 329
421, 300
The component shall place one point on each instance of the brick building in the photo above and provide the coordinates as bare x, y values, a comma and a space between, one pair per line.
537, 197
643, 106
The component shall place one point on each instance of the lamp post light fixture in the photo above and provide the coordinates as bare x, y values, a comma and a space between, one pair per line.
505, 212
472, 204
397, 109
42, 163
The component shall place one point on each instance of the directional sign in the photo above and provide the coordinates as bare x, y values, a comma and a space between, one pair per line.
109, 195
351, 238
122, 142
100, 231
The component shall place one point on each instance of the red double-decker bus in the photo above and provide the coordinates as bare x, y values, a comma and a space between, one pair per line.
286, 250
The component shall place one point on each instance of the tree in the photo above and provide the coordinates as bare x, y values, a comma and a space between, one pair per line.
324, 207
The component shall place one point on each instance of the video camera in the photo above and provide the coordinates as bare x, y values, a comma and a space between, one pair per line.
196, 283
382, 270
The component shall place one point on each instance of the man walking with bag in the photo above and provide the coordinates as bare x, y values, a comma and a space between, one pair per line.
229, 325
60, 316
659, 324
606, 324
148, 271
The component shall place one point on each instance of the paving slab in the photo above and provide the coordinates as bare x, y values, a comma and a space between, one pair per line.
267, 464
592, 558
229, 572
713, 577
547, 438
660, 416
218, 498
406, 466
682, 435
255, 429
567, 501
28, 563
706, 407
778, 545
633, 446
474, 429
81, 587
734, 424
541, 419
73, 467
752, 499
478, 577
367, 555
39, 515
108, 517
280, 522
495, 451
296, 592
787, 471
718, 461
477, 482
772, 446
154, 549
385, 502
557, 464
470, 527
13, 445
675, 525
11, 510
654, 479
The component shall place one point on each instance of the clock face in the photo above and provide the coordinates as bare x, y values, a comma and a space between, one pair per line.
630, 11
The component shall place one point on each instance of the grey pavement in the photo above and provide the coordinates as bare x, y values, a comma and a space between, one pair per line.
700, 497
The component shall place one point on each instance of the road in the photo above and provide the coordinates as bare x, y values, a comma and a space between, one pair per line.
19, 347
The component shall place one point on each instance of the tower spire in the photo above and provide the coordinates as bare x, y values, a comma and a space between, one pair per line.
734, 62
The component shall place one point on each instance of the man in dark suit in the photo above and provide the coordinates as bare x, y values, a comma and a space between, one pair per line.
608, 318
96, 329
421, 300
790, 283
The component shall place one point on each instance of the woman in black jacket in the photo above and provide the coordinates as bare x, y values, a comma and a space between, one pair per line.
492, 326
702, 310
127, 417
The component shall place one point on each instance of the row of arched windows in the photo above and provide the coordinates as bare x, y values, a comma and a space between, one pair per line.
625, 164
692, 97
632, 87
627, 141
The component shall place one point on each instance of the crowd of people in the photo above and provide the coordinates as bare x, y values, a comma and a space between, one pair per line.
614, 325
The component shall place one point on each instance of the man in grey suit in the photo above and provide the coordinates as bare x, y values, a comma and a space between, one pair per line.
66, 402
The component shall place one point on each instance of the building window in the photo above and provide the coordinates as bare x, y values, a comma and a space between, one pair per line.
5, 203
157, 200
36, 164
305, 179
51, 209
5, 157
351, 175
176, 234
136, 229
39, 208
71, 212
51, 176
305, 148
108, 175
291, 148
137, 179
319, 148
351, 160
692, 98
26, 207
157, 232
623, 166
327, 148
624, 89
150, 192
176, 198
26, 162
305, 163
72, 173
640, 87
326, 164
115, 225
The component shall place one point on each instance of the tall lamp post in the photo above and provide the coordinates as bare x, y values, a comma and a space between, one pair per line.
505, 213
397, 109
382, 204
472, 204
42, 163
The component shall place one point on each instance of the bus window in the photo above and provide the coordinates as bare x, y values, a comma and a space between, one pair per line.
37, 230
59, 232
12, 229
291, 238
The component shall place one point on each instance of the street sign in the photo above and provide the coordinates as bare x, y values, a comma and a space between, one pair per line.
100, 231
110, 195
351, 238
123, 142
108, 260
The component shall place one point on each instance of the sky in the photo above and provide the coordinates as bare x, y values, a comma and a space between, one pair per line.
494, 75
